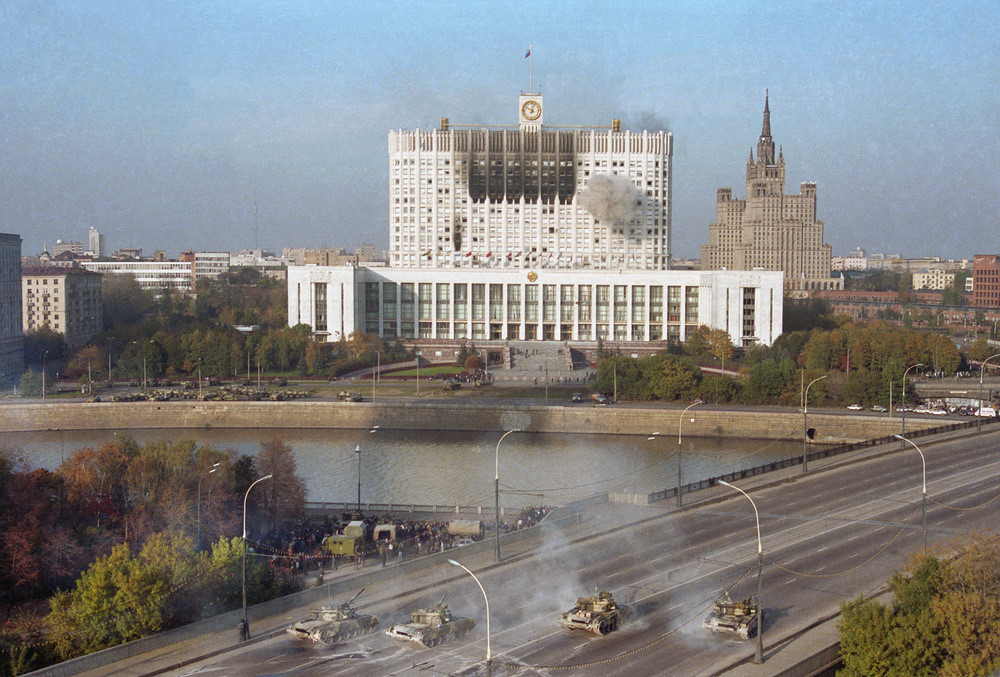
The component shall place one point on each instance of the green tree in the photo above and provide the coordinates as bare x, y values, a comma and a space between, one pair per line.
979, 350
768, 379
122, 597
668, 377
941, 621
123, 301
43, 346
718, 389
284, 495
31, 384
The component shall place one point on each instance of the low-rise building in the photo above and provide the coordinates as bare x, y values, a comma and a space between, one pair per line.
152, 275
933, 279
638, 306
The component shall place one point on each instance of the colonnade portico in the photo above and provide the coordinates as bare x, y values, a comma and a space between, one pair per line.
546, 305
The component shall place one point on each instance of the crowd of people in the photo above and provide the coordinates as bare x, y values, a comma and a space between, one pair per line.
301, 547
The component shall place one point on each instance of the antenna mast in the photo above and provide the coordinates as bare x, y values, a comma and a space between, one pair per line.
256, 232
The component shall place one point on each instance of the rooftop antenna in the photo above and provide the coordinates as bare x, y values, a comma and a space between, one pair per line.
256, 232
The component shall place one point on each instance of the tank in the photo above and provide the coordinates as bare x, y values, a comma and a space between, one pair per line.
734, 618
431, 627
330, 624
598, 613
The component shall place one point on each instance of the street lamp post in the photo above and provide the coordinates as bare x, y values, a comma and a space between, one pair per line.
244, 622
496, 486
489, 653
902, 431
759, 654
805, 417
357, 450
215, 466
979, 412
418, 373
923, 502
680, 424
44, 356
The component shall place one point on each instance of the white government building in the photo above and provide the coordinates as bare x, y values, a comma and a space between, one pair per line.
532, 233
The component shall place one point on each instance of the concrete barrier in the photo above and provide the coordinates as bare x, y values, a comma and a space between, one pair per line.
620, 419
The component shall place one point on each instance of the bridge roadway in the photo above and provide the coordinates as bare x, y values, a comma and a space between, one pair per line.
834, 534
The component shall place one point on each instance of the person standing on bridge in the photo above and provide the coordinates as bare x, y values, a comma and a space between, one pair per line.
244, 630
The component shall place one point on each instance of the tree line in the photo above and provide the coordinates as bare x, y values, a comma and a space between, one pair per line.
863, 364
152, 527
941, 622
178, 337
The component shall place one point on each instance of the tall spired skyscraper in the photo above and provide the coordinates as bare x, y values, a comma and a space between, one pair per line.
770, 230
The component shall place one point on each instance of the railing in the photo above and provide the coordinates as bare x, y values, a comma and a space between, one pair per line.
785, 463
324, 508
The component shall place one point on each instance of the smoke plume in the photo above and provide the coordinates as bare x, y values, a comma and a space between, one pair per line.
612, 200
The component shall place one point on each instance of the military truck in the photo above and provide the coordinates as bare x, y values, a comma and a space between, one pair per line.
331, 624
432, 627
734, 618
598, 613
341, 546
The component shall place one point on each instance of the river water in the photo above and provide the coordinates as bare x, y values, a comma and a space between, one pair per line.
455, 468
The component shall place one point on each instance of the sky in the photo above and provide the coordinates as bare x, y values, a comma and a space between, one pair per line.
162, 124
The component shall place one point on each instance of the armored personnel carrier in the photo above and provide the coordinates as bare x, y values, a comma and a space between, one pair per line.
734, 618
431, 627
598, 613
331, 624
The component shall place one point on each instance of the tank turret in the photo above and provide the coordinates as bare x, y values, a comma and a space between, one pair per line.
431, 627
598, 613
739, 618
330, 624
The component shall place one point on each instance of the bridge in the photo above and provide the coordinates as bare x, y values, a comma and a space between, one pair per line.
832, 534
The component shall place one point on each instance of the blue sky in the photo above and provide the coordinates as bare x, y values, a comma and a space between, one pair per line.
161, 123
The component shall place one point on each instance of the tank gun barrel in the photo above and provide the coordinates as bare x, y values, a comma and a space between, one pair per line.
351, 601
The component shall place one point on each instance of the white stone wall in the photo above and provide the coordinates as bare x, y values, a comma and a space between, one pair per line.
720, 298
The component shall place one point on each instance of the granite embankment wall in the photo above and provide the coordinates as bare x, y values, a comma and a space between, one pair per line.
415, 415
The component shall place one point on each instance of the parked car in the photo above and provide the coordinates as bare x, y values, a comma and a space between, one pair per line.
577, 397
879, 408
855, 407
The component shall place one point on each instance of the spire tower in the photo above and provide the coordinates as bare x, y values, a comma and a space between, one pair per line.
765, 145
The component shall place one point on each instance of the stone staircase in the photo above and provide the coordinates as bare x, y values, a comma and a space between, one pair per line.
531, 362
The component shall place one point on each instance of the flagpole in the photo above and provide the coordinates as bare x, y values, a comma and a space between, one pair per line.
530, 85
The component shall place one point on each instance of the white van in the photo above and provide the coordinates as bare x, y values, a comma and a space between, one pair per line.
986, 411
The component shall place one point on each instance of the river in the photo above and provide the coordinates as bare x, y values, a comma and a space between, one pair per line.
455, 468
